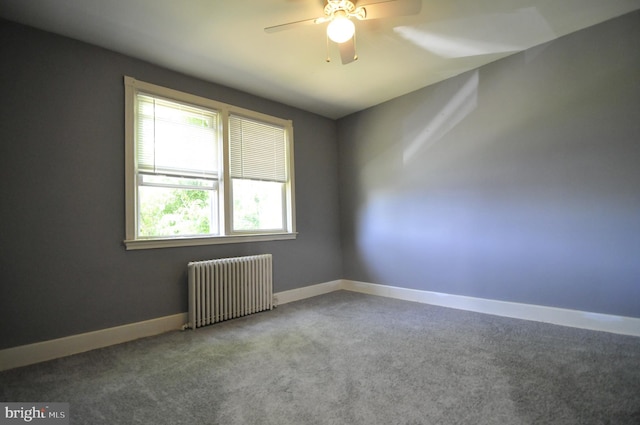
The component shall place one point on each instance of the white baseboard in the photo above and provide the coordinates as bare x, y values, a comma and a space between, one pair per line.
48, 350
557, 316
24, 355
297, 294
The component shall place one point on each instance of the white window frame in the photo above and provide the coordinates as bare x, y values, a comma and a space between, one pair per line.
131, 242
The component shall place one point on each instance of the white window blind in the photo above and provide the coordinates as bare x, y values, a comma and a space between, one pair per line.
258, 150
175, 139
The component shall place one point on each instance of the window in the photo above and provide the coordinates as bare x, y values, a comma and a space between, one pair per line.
203, 172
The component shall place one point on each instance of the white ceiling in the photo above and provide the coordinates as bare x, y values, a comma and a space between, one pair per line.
224, 41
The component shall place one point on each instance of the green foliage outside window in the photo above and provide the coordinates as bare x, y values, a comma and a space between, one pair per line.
174, 212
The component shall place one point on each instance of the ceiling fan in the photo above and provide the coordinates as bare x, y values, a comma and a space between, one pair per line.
341, 29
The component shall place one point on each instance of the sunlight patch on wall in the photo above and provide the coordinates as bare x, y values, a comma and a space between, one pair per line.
481, 34
461, 104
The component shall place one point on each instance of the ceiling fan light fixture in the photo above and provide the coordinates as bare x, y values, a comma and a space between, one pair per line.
340, 29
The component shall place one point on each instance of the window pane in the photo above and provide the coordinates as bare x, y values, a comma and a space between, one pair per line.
257, 205
166, 211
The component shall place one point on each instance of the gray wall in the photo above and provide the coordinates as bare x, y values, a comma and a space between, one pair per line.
517, 182
63, 269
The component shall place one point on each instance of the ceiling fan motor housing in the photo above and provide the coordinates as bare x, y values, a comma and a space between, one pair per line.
335, 5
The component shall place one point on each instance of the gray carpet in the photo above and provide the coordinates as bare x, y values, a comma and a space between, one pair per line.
347, 358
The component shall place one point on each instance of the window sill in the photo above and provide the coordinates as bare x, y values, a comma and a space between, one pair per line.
214, 240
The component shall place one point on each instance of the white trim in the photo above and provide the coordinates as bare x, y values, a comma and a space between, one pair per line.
180, 96
557, 316
24, 355
48, 350
223, 110
298, 294
130, 204
198, 241
291, 184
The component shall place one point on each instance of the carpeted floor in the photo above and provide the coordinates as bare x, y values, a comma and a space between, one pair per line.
348, 358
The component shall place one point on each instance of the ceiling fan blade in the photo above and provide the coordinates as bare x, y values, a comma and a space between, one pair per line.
296, 24
385, 9
348, 51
